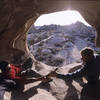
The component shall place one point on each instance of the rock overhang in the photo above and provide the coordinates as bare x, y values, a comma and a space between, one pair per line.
16, 17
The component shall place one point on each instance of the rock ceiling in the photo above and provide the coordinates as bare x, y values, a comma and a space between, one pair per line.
16, 17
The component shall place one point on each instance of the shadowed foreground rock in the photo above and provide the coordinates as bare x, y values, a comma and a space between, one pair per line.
57, 89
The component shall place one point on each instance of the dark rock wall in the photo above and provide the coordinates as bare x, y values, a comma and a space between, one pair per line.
16, 17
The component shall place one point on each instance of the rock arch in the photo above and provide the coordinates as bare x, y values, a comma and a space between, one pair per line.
16, 17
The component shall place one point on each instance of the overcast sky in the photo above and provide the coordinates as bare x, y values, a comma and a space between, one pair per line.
60, 18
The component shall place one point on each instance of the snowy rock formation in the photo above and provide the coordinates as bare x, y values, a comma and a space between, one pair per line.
57, 45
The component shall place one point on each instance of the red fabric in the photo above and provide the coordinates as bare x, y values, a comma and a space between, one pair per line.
14, 71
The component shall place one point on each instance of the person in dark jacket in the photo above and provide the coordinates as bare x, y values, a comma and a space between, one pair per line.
90, 67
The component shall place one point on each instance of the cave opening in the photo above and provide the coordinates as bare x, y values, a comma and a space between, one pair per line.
57, 38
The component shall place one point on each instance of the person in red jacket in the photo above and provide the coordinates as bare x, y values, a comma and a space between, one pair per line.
15, 72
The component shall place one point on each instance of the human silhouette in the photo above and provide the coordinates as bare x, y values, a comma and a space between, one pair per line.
90, 68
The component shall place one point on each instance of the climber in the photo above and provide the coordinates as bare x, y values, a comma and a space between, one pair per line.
11, 78
90, 68
9, 72
14, 72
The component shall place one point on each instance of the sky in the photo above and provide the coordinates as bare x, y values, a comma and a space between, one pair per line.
60, 18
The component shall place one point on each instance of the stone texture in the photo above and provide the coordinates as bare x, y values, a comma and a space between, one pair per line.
57, 89
16, 17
